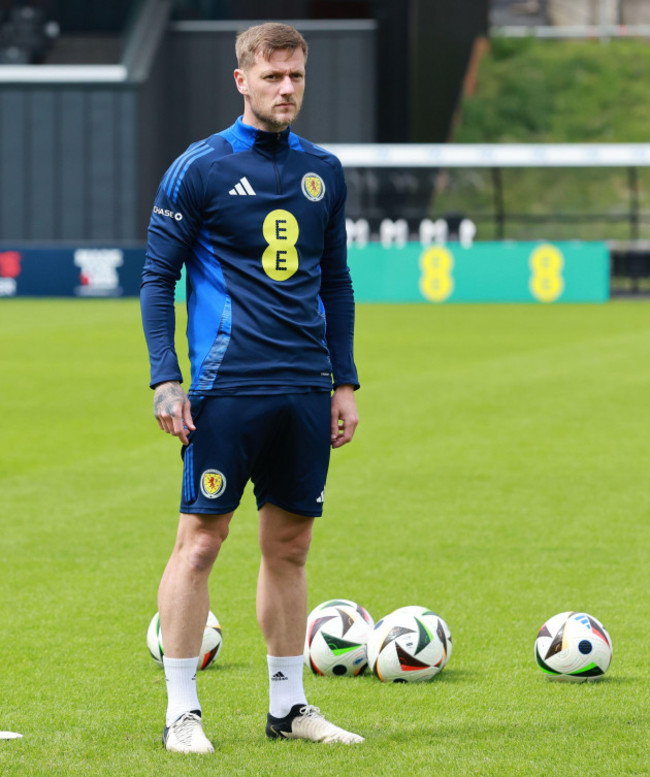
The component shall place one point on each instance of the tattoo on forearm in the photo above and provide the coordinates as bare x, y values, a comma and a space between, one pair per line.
165, 398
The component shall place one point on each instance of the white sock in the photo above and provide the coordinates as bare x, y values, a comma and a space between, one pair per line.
180, 676
285, 684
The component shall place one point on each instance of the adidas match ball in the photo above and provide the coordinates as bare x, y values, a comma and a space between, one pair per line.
411, 644
210, 647
335, 642
345, 603
573, 647
442, 629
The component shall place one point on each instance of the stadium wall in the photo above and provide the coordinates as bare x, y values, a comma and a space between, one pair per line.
68, 162
191, 94
83, 149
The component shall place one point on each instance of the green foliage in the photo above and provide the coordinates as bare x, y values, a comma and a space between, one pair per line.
499, 475
536, 91
544, 91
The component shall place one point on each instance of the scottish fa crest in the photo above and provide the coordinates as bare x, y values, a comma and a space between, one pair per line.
313, 187
213, 483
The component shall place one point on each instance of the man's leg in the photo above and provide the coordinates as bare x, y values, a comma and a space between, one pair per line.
183, 603
282, 584
282, 614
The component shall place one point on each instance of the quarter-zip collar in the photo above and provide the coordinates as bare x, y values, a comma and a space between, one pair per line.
267, 143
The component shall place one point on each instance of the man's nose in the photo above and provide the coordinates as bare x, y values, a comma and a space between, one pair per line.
287, 87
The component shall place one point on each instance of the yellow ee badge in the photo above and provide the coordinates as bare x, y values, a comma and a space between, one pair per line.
213, 483
280, 258
313, 187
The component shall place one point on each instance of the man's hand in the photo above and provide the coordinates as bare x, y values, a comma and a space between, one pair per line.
344, 416
171, 407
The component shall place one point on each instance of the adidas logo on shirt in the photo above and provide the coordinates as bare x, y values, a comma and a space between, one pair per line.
242, 187
279, 676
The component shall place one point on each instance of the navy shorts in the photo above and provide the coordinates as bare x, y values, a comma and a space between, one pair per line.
279, 441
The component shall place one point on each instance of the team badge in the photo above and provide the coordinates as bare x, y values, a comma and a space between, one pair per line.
213, 483
313, 187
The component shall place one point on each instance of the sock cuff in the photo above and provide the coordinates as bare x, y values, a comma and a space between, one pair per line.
180, 663
286, 661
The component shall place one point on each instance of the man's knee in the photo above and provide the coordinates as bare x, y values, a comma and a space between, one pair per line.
200, 539
293, 553
289, 548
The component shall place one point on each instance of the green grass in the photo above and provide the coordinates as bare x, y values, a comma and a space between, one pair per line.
499, 475
549, 91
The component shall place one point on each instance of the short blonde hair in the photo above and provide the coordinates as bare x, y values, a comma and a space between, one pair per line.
265, 39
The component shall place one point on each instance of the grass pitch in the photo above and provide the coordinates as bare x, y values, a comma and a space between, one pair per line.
499, 476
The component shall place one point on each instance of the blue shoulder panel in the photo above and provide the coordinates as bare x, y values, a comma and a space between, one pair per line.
177, 171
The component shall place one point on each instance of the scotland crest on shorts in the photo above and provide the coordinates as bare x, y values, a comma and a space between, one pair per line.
213, 483
313, 187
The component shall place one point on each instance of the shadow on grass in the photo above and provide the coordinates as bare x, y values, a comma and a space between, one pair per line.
616, 680
601, 682
447, 677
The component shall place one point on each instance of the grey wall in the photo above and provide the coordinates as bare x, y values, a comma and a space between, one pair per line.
67, 163
340, 98
442, 41
81, 162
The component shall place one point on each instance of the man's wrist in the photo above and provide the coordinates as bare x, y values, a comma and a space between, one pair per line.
154, 386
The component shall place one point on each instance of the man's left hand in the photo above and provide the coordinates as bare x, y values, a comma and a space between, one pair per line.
345, 417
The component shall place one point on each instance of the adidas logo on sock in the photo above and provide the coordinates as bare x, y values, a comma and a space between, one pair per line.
279, 676
242, 187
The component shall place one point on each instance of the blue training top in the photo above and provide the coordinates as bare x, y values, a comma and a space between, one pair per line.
258, 218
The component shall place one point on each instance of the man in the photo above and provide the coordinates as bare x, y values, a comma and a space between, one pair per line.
256, 214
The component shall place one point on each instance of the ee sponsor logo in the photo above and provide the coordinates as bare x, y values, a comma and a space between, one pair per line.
280, 258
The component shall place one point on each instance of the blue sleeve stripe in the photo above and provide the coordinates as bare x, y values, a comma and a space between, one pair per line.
181, 175
172, 174
169, 175
181, 164
173, 170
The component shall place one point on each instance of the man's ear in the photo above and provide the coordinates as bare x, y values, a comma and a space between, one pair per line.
240, 81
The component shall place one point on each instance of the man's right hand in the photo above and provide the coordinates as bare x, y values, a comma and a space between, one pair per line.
171, 407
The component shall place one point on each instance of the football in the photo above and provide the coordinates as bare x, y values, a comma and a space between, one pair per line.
210, 647
441, 626
335, 642
345, 603
573, 647
411, 644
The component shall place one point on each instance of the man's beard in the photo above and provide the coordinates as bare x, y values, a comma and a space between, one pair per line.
270, 120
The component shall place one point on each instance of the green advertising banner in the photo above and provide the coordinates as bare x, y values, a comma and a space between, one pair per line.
485, 272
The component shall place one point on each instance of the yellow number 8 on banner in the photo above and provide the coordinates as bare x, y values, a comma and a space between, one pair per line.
546, 282
436, 281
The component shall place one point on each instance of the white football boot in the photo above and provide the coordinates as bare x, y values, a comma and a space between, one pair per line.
185, 735
307, 722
